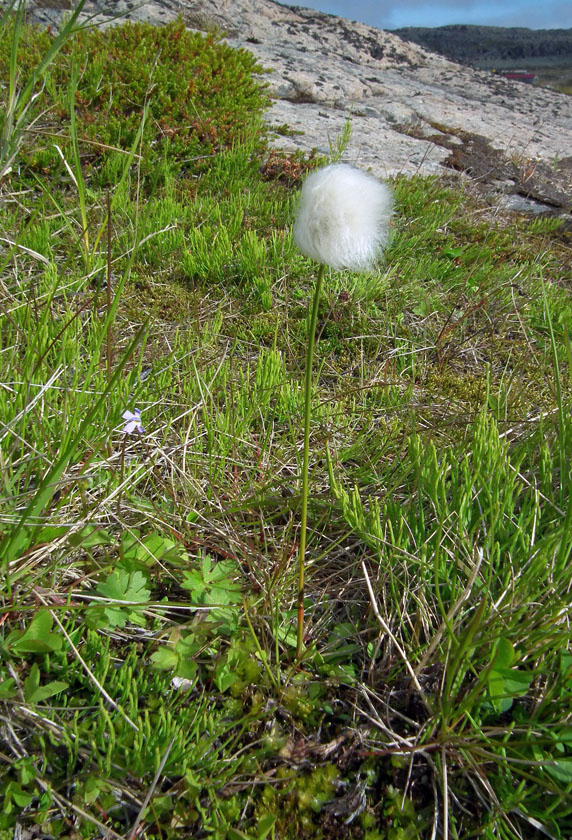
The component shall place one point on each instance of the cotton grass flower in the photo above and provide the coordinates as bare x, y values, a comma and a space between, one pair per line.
342, 221
343, 217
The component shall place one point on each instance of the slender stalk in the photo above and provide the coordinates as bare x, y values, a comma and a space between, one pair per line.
109, 325
121, 474
261, 653
306, 458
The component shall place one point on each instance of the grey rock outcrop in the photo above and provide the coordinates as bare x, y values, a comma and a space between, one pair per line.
409, 108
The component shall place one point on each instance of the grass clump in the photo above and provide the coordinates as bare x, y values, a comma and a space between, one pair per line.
148, 681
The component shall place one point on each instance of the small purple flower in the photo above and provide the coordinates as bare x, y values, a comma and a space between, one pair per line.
132, 422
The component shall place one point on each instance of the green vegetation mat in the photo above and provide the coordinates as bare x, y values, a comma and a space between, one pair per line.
148, 681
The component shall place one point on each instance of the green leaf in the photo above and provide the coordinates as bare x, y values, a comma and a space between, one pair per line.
96, 618
213, 583
48, 690
26, 770
505, 684
51, 532
565, 736
8, 689
164, 659
31, 682
452, 253
224, 677
159, 547
497, 694
265, 825
235, 834
503, 654
188, 645
36, 638
90, 536
147, 550
560, 770
516, 683
20, 797
187, 669
124, 586
34, 692
92, 789
566, 668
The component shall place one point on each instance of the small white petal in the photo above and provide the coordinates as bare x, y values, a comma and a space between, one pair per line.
181, 683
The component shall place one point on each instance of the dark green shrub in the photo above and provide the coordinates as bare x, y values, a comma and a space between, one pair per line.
202, 95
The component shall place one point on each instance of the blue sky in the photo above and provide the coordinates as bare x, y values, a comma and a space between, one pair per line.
391, 14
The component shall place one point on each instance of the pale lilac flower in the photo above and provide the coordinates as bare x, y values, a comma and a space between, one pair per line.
132, 422
343, 217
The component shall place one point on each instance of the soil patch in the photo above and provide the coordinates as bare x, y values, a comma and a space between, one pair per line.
530, 178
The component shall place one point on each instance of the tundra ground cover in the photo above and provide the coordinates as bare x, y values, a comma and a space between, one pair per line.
148, 678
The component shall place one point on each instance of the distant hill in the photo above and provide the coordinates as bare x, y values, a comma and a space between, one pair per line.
488, 47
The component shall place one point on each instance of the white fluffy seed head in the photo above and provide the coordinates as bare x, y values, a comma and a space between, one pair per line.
343, 217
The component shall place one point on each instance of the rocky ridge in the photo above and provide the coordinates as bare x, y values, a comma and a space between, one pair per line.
411, 111
494, 46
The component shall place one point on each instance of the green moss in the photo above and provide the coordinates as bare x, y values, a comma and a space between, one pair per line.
299, 805
168, 301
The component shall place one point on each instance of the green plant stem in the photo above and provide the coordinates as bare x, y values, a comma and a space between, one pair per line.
306, 458
121, 473
261, 653
109, 325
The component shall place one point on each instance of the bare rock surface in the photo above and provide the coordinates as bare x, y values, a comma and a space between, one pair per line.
411, 111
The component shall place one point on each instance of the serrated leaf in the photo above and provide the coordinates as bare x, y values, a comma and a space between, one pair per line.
193, 581
125, 586
26, 770
96, 618
122, 586
114, 617
213, 584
